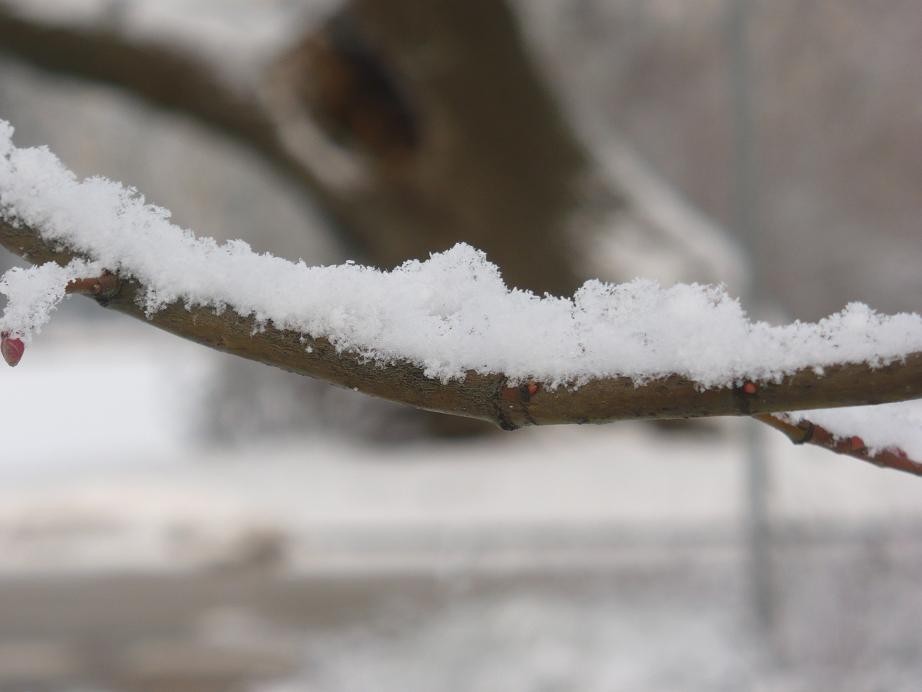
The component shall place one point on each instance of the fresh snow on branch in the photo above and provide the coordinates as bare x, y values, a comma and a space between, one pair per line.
449, 314
33, 294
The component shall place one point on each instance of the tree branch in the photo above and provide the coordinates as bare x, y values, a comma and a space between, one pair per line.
807, 432
450, 144
490, 397
161, 74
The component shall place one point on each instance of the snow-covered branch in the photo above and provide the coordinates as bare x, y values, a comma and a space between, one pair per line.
445, 334
884, 452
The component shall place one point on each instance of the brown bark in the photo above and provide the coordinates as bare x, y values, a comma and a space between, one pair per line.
105, 285
491, 397
807, 432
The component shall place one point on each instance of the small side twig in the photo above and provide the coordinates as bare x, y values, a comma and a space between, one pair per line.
807, 432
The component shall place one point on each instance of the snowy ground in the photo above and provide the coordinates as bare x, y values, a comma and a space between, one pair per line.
609, 558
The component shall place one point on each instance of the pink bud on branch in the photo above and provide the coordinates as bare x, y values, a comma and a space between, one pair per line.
12, 349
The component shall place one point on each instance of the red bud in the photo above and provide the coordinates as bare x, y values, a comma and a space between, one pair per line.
12, 350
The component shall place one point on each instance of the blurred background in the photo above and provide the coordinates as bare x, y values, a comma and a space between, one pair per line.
172, 518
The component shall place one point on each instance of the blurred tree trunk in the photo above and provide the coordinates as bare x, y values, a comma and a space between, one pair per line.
458, 136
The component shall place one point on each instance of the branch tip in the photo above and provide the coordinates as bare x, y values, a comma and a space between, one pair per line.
853, 446
12, 349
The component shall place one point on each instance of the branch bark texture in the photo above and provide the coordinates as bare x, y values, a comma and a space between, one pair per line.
491, 397
807, 432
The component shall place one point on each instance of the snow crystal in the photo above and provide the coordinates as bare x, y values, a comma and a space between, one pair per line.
450, 314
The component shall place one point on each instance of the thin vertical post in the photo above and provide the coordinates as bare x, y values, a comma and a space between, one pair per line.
746, 223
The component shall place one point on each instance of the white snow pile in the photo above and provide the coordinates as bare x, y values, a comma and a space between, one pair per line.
450, 314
